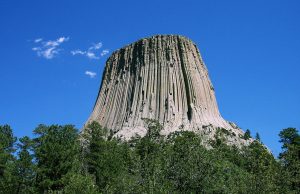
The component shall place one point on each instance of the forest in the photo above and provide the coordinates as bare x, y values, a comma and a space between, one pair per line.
61, 159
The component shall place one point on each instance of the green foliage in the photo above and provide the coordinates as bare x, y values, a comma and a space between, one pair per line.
154, 129
108, 160
55, 150
24, 167
290, 158
257, 137
247, 135
187, 163
78, 183
59, 160
149, 152
258, 161
7, 141
7, 159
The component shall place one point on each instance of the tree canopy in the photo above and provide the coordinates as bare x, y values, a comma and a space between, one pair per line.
59, 159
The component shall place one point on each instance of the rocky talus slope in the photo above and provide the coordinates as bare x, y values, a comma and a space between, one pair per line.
164, 78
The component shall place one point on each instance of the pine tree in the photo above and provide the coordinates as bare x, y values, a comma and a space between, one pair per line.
290, 157
7, 141
247, 134
107, 159
260, 162
7, 160
25, 169
257, 137
56, 148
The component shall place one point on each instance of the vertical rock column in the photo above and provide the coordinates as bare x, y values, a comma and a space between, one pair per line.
162, 77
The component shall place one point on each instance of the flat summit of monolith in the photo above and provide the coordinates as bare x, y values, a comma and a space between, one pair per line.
162, 77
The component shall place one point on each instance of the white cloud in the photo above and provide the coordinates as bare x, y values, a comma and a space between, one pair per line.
91, 51
49, 53
54, 43
104, 52
48, 49
88, 54
90, 74
38, 40
91, 55
62, 39
36, 48
96, 46
78, 52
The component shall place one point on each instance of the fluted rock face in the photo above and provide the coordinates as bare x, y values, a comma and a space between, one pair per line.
164, 78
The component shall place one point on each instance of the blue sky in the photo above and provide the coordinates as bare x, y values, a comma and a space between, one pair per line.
51, 50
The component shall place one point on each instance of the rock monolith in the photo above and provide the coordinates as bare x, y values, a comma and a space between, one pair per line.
162, 77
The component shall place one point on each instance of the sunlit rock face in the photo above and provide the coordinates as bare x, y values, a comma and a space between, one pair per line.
164, 78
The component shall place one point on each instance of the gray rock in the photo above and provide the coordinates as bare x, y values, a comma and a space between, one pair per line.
164, 78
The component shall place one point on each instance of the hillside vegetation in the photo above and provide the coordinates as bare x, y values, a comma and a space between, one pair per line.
59, 159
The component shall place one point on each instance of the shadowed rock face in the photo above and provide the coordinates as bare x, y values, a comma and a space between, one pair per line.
164, 78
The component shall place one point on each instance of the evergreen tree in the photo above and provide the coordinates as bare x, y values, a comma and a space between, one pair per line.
257, 137
56, 148
150, 154
55, 161
25, 169
107, 159
189, 163
7, 141
7, 160
80, 184
290, 157
247, 134
260, 162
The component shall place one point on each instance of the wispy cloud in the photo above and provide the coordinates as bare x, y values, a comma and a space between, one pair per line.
91, 55
78, 52
88, 54
48, 49
91, 51
38, 40
104, 52
96, 46
90, 74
